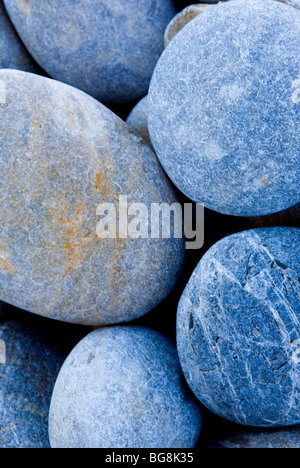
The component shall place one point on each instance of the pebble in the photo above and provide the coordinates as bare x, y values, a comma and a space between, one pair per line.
228, 135
137, 120
12, 52
33, 360
62, 155
104, 48
122, 387
238, 328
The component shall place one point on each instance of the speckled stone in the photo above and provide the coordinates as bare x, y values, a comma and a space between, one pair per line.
62, 154
101, 46
137, 120
122, 387
238, 328
33, 361
224, 108
182, 19
253, 438
12, 52
289, 217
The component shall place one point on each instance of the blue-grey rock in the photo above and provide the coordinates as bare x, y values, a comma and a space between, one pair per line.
12, 52
238, 438
224, 108
104, 47
63, 154
293, 3
33, 360
122, 387
137, 120
238, 328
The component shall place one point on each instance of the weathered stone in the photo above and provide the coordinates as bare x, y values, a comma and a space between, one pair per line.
62, 154
182, 19
104, 47
33, 359
122, 387
238, 328
137, 120
224, 108
12, 52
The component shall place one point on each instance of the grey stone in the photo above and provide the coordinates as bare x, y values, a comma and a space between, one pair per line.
61, 155
137, 120
104, 47
33, 359
238, 328
12, 52
224, 108
122, 387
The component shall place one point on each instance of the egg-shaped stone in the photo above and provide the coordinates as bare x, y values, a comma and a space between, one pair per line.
12, 52
107, 48
224, 108
122, 387
238, 328
63, 157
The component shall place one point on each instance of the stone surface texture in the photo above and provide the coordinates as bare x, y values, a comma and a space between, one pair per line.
104, 47
122, 387
224, 108
137, 120
12, 52
62, 154
238, 328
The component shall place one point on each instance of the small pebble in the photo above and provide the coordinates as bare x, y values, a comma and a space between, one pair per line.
137, 120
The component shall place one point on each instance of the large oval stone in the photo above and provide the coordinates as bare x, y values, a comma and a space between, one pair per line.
238, 328
123, 387
224, 108
62, 154
12, 52
107, 48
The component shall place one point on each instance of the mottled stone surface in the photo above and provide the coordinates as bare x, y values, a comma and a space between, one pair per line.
293, 3
12, 52
62, 154
224, 108
253, 438
289, 217
122, 387
182, 19
238, 328
103, 47
137, 120
33, 360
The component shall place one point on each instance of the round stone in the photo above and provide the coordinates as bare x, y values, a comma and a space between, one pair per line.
137, 120
182, 19
122, 387
103, 47
238, 328
12, 52
63, 156
30, 359
224, 108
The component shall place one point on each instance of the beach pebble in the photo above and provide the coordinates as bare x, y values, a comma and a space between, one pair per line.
63, 155
137, 120
102, 47
122, 387
27, 375
224, 108
238, 328
182, 19
12, 52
